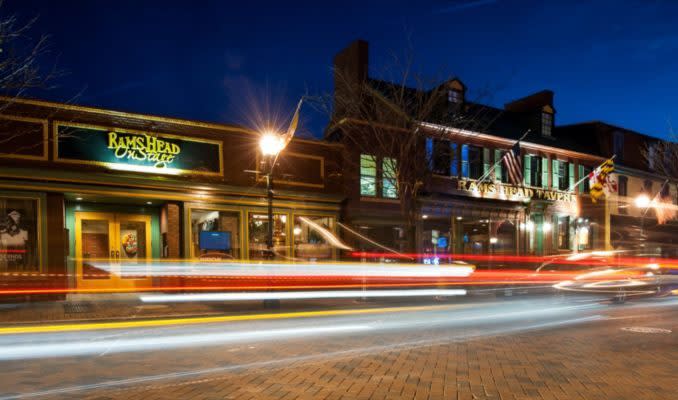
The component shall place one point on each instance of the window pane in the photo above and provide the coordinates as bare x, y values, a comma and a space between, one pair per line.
310, 237
215, 234
368, 165
475, 158
368, 186
441, 157
389, 183
563, 176
390, 189
368, 175
258, 236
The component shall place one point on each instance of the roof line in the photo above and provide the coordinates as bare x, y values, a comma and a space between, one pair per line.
156, 118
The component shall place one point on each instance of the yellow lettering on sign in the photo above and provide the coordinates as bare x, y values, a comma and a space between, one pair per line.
143, 148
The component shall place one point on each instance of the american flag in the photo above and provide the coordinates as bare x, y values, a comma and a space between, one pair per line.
514, 165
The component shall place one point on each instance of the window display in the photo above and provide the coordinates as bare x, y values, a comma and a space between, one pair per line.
215, 234
309, 237
19, 234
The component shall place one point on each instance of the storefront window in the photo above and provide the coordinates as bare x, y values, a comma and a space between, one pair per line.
258, 235
19, 235
583, 234
311, 236
215, 233
563, 232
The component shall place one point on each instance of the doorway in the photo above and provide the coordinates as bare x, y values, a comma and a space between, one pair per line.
112, 250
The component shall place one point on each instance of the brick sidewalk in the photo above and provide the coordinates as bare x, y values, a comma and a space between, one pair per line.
589, 361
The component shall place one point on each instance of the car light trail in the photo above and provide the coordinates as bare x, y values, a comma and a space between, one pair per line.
154, 323
81, 348
335, 294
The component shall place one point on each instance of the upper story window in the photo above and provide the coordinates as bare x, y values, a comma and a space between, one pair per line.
584, 185
666, 191
534, 171
622, 192
562, 174
647, 187
440, 156
618, 145
389, 187
546, 123
368, 175
475, 162
378, 176
454, 96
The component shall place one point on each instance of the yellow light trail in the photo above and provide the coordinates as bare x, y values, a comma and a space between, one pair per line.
207, 320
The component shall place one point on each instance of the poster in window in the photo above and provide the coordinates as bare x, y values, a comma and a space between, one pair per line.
18, 235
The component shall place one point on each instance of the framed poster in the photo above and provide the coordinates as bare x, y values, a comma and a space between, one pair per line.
19, 234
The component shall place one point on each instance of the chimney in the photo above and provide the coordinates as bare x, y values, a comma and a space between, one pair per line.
350, 71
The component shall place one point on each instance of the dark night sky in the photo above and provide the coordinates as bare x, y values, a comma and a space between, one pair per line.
614, 61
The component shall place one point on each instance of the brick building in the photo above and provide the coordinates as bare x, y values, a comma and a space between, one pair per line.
80, 183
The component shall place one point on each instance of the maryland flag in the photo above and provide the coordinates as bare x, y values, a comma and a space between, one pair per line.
287, 137
600, 181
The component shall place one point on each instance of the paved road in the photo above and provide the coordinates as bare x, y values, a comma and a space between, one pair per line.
536, 347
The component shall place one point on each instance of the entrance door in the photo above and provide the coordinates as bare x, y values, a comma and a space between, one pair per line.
112, 250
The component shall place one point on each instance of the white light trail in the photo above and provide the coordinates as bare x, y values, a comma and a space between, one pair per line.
326, 294
226, 269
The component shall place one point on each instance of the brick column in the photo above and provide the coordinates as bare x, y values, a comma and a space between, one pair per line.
170, 226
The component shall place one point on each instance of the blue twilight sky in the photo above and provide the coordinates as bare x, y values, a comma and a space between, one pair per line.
609, 60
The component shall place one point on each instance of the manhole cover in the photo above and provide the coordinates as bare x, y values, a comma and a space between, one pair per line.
645, 329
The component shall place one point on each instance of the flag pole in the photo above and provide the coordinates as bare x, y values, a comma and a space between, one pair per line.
489, 171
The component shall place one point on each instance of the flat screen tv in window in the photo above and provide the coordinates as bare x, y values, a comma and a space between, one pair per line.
215, 240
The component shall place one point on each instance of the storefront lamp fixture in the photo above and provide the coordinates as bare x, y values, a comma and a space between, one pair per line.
78, 198
493, 240
642, 201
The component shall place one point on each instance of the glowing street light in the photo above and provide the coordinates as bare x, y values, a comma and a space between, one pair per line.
271, 143
642, 201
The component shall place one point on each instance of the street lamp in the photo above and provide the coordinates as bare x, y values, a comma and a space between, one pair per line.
271, 144
642, 201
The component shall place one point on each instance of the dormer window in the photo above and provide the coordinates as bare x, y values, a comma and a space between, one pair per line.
546, 124
454, 96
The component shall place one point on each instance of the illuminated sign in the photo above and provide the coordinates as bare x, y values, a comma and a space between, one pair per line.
136, 151
509, 192
160, 153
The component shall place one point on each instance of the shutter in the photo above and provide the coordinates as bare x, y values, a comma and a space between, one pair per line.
498, 166
527, 170
581, 175
486, 160
571, 175
544, 172
555, 181
464, 160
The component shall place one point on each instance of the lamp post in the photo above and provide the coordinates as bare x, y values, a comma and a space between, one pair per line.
271, 145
